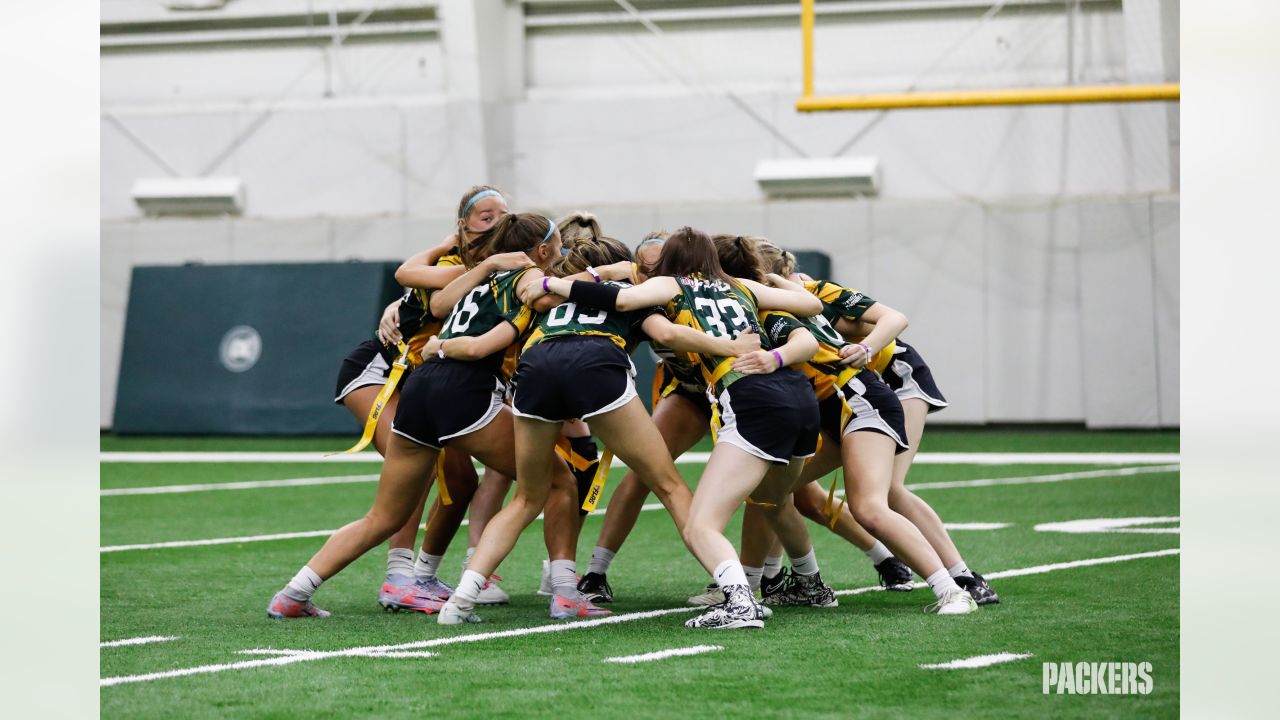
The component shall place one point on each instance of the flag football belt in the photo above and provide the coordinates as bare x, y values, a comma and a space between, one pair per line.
380, 403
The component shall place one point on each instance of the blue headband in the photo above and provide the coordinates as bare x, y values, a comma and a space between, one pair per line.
549, 230
649, 241
478, 196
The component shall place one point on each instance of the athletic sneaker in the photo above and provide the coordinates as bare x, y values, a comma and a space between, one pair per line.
401, 592
895, 576
451, 614
771, 586
435, 587
491, 594
955, 602
739, 611
977, 587
544, 587
282, 606
708, 597
595, 587
804, 590
563, 608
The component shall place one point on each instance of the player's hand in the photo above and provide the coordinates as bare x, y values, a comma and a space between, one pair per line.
389, 325
508, 261
855, 355
776, 280
746, 343
432, 347
620, 270
760, 362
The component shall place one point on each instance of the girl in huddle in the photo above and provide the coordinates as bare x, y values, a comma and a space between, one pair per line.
765, 426
410, 584
453, 400
575, 366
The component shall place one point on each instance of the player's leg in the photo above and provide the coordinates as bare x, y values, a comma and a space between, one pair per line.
487, 502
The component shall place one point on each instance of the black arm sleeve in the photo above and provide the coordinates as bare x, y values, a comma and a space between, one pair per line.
596, 295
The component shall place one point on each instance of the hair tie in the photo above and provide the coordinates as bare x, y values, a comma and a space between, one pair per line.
466, 210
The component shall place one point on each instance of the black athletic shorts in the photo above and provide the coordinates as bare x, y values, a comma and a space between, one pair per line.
910, 377
774, 417
572, 377
874, 407
699, 399
443, 399
368, 364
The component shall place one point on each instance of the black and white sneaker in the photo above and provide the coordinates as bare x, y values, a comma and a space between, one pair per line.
739, 611
595, 587
773, 588
804, 591
978, 589
895, 576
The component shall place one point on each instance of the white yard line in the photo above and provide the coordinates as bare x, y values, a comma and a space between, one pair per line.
137, 641
979, 661
1029, 458
371, 653
306, 656
663, 654
1033, 479
977, 526
247, 485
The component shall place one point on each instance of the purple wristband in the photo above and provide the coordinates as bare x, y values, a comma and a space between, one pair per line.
867, 349
779, 356
546, 289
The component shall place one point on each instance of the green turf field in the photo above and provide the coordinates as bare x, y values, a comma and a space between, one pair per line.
861, 659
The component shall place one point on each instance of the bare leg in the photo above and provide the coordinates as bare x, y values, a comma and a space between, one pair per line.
359, 402
444, 521
868, 458
486, 503
903, 501
730, 476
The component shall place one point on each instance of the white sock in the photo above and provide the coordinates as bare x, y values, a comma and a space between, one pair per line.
730, 572
400, 562
303, 585
564, 577
960, 570
753, 576
941, 583
427, 565
879, 553
772, 566
806, 565
468, 590
600, 560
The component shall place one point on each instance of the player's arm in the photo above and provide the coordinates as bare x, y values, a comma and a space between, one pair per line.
449, 295
686, 339
472, 348
788, 297
886, 325
531, 292
799, 347
651, 292
389, 325
420, 271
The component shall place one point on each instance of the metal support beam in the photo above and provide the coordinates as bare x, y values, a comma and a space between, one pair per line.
978, 98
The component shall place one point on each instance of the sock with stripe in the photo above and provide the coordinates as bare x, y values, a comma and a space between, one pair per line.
960, 570
400, 562
427, 565
303, 585
805, 565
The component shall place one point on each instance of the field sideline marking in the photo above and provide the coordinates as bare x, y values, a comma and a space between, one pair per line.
1028, 458
136, 641
978, 661
663, 654
346, 479
543, 629
988, 482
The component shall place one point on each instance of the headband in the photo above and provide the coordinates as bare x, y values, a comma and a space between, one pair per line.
549, 231
477, 197
649, 241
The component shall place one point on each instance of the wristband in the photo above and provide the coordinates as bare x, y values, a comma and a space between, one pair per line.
596, 295
594, 274
779, 356
440, 350
545, 289
867, 349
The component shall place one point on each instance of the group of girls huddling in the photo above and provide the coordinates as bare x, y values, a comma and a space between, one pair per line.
517, 330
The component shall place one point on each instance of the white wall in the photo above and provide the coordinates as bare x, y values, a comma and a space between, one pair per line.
1035, 249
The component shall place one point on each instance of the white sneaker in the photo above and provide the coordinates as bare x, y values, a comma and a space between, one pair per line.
451, 614
491, 594
544, 587
711, 595
954, 602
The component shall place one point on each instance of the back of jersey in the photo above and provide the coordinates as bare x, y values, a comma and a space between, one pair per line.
823, 369
720, 309
488, 305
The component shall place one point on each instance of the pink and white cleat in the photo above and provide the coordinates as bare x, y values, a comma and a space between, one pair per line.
282, 606
563, 608
400, 592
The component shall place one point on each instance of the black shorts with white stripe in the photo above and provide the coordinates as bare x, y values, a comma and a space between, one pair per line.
874, 408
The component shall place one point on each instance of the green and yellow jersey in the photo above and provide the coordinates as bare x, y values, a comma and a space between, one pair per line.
823, 369
569, 319
417, 324
842, 302
720, 309
488, 305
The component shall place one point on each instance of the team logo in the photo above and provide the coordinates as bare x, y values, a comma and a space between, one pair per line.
240, 348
